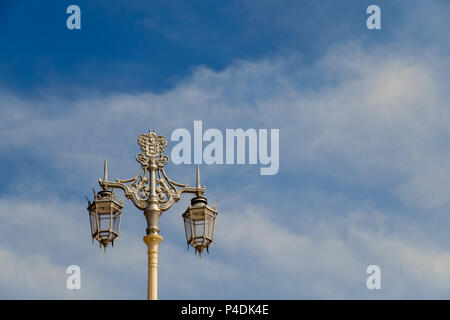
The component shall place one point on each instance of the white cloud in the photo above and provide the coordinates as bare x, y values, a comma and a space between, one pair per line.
41, 238
330, 259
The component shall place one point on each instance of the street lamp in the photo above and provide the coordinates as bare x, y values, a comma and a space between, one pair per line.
152, 192
104, 215
199, 223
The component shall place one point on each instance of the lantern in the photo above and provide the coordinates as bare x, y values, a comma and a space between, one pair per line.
104, 215
199, 221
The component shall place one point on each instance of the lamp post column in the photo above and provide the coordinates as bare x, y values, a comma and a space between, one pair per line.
153, 238
152, 241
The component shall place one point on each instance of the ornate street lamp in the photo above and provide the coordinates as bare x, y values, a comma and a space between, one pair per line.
104, 215
152, 192
199, 222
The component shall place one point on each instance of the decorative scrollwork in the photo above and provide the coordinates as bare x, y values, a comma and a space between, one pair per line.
141, 187
167, 190
151, 175
136, 189
152, 147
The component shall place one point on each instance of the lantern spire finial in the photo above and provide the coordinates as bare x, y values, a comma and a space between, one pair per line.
198, 176
199, 191
105, 171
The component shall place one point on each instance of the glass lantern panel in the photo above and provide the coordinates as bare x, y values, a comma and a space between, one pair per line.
116, 223
213, 225
105, 222
199, 227
93, 221
187, 228
209, 226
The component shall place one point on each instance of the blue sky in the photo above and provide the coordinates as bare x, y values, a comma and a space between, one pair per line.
362, 114
151, 46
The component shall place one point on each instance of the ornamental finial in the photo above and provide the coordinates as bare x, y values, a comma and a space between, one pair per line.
152, 147
198, 177
105, 171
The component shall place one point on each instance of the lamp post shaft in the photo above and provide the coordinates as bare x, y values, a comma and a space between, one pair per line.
152, 241
153, 238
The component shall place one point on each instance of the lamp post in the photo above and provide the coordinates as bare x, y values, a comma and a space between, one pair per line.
152, 192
